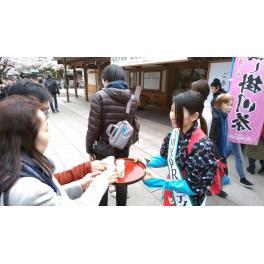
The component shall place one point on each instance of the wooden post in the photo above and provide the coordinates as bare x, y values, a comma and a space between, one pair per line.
85, 83
99, 72
66, 81
75, 81
96, 78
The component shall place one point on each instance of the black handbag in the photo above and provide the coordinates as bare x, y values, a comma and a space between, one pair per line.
103, 150
100, 148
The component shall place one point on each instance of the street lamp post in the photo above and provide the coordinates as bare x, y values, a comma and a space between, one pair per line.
66, 81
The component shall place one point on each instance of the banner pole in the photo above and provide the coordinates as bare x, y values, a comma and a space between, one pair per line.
231, 72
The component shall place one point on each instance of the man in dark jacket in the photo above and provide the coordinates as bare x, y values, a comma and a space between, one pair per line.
52, 86
109, 107
1, 89
10, 82
216, 89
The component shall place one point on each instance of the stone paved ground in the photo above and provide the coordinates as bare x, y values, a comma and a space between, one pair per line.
67, 148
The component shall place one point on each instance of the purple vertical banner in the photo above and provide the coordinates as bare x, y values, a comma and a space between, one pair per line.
247, 87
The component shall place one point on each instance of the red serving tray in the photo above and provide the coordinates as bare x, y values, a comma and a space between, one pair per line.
134, 172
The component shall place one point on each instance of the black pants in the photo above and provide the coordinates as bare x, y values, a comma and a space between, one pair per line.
121, 196
121, 190
54, 97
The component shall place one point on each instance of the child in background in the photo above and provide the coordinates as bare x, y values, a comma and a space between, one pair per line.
218, 133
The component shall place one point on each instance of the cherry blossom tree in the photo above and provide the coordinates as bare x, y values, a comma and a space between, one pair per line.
31, 64
5, 66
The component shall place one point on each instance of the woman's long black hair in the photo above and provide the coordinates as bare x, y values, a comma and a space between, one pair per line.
193, 102
19, 127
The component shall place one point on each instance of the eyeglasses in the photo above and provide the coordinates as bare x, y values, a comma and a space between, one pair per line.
45, 111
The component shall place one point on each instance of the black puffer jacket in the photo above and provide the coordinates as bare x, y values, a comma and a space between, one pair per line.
215, 131
221, 91
108, 107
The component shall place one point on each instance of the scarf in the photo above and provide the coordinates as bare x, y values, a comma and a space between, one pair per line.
118, 85
30, 168
222, 147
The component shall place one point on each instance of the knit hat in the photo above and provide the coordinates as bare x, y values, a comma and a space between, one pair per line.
216, 83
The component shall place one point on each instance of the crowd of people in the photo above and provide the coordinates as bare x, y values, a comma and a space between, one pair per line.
48, 83
195, 151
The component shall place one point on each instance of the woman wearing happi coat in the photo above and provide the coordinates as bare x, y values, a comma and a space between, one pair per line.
188, 153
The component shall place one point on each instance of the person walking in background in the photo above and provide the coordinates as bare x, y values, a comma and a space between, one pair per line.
108, 107
40, 80
218, 134
216, 89
52, 86
2, 85
10, 82
256, 153
236, 150
202, 87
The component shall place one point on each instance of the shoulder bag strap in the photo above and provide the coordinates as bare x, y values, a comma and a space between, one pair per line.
102, 115
5, 198
128, 107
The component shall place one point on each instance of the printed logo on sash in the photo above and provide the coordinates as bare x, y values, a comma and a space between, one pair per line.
180, 199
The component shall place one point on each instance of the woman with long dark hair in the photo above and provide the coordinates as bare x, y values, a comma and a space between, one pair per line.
187, 152
202, 87
26, 174
216, 89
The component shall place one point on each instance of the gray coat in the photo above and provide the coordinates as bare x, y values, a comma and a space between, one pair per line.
255, 152
29, 191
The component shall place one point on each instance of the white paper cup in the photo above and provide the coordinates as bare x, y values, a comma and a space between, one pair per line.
110, 161
120, 168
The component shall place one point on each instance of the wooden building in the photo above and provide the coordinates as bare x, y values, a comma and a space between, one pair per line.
161, 79
92, 66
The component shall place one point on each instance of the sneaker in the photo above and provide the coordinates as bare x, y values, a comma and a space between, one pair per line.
209, 193
222, 194
245, 182
226, 180
113, 194
261, 172
57, 111
112, 190
250, 170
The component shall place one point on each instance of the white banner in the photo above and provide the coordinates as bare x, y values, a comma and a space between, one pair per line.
131, 61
